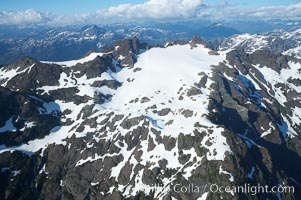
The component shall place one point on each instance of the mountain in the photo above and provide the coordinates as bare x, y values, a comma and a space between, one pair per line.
263, 26
115, 124
278, 41
70, 42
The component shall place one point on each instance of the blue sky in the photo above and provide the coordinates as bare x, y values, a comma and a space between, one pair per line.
84, 6
65, 12
62, 6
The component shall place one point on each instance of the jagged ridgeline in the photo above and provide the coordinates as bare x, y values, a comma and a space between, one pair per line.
111, 123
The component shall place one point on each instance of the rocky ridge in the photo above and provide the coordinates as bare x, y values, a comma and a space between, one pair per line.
108, 124
277, 41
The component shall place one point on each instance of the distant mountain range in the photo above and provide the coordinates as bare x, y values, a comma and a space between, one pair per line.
65, 43
278, 41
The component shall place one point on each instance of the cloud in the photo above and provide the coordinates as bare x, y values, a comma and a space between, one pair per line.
29, 16
62, 20
232, 12
279, 12
33, 17
183, 9
154, 9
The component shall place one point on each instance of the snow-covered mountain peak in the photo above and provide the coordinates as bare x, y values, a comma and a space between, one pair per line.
277, 41
133, 116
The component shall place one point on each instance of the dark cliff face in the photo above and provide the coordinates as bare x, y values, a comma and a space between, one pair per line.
59, 140
250, 111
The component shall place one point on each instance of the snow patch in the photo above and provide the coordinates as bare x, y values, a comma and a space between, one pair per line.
71, 63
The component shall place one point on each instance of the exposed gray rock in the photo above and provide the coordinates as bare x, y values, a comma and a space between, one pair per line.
187, 113
144, 100
164, 111
130, 122
194, 91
